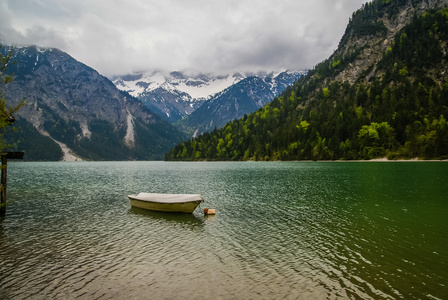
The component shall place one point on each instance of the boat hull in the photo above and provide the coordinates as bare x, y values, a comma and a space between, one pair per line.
186, 207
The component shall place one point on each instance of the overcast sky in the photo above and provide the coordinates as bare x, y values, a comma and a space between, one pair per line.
219, 36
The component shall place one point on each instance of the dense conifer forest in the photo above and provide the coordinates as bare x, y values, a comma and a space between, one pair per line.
397, 108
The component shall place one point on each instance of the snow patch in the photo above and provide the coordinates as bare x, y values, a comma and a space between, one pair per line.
197, 86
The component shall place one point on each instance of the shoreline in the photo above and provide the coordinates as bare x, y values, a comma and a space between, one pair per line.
69, 157
384, 159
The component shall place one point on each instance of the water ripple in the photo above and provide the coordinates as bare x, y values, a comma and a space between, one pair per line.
283, 231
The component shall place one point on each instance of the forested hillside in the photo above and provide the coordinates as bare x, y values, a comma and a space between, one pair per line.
383, 93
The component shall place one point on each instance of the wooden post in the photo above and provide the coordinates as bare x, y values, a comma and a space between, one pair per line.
12, 155
3, 187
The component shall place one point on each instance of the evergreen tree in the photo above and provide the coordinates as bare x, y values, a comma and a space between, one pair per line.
6, 111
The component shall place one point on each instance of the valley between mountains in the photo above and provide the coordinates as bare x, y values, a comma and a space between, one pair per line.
75, 113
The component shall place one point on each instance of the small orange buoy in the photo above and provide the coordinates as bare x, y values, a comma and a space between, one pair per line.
209, 211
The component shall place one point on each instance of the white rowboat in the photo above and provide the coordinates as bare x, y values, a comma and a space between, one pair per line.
186, 203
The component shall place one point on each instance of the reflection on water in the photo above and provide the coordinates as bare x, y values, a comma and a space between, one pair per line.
282, 230
182, 218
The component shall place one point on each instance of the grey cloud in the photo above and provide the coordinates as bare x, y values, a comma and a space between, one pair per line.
118, 36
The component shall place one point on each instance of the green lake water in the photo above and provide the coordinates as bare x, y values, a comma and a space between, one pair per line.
283, 230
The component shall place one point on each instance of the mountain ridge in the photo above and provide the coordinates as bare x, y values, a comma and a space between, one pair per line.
176, 95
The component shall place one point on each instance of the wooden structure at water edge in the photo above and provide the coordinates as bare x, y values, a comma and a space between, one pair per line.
5, 156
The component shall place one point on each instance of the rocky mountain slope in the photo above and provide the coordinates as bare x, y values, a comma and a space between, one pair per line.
73, 109
383, 92
371, 32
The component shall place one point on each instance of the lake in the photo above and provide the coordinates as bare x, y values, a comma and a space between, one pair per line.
283, 230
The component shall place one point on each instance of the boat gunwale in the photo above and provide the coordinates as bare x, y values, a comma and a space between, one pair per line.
153, 199
183, 207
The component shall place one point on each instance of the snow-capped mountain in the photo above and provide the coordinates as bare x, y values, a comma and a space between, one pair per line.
176, 95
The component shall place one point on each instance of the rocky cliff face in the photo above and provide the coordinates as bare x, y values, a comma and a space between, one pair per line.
370, 34
82, 111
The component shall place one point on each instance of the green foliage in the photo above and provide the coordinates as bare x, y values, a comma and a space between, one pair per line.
403, 72
336, 63
6, 111
375, 138
399, 114
303, 126
37, 147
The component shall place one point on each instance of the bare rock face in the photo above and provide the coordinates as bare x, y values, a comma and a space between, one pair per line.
74, 105
367, 47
